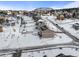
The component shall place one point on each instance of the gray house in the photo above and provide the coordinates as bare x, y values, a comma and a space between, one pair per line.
76, 26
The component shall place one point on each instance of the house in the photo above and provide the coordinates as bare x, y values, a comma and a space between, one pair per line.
46, 34
60, 17
41, 25
10, 21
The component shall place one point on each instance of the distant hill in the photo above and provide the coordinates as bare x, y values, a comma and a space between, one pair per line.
43, 8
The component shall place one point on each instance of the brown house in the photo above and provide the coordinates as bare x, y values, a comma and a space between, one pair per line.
60, 17
47, 33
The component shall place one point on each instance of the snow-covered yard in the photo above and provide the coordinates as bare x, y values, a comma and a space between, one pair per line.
66, 24
70, 29
11, 39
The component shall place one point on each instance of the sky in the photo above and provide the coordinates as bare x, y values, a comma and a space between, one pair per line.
30, 5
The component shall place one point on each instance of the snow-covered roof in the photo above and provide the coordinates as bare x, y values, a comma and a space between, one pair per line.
11, 18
